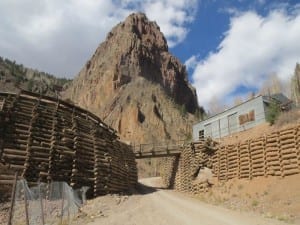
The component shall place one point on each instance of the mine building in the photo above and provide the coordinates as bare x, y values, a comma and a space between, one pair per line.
241, 117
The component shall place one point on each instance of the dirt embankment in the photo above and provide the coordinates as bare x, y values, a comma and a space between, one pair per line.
271, 197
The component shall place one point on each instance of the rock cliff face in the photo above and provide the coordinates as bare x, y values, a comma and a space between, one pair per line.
135, 85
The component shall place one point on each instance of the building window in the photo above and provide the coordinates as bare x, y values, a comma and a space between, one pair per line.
201, 134
248, 117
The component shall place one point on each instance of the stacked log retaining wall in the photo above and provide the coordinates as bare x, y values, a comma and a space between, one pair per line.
45, 139
274, 154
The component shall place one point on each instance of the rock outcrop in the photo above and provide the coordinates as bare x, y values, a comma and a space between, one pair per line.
135, 85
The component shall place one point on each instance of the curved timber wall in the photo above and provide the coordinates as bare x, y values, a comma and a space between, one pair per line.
46, 139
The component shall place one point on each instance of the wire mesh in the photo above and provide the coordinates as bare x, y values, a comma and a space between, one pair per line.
46, 203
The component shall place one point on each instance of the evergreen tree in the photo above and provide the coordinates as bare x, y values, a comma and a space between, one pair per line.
273, 112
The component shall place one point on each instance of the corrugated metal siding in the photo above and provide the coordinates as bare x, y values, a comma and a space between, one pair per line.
208, 130
229, 121
215, 129
233, 123
224, 127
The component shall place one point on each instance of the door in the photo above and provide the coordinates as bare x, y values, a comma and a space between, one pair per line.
208, 130
232, 123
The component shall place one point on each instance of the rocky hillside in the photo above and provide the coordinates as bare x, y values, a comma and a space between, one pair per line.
136, 86
14, 77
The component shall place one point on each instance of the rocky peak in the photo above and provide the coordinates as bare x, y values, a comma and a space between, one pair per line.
129, 67
147, 32
137, 47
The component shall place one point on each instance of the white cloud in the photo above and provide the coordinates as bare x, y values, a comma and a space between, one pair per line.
253, 48
59, 36
191, 63
172, 17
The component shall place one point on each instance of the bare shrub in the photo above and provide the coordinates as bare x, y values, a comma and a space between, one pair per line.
290, 117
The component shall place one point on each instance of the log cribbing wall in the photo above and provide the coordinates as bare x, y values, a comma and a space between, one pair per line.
46, 139
275, 154
193, 157
168, 172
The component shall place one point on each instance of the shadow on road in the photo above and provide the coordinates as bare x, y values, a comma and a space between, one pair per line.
144, 189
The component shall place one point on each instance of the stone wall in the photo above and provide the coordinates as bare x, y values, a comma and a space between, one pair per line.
45, 139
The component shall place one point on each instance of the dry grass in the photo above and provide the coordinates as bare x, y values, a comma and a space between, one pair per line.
286, 118
274, 197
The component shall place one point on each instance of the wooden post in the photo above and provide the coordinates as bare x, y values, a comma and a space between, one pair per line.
13, 195
250, 159
265, 156
41, 203
62, 204
25, 203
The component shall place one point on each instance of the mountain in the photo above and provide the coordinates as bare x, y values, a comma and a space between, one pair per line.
136, 86
14, 77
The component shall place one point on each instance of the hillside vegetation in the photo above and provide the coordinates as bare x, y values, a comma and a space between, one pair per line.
14, 76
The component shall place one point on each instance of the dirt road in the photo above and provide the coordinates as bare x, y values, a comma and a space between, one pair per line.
167, 207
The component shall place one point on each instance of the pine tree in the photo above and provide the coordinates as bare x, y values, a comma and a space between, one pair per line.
273, 112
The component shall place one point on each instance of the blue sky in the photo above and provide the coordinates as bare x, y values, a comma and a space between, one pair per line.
230, 47
212, 21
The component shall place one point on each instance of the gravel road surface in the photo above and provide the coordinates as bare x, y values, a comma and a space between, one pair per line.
166, 207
